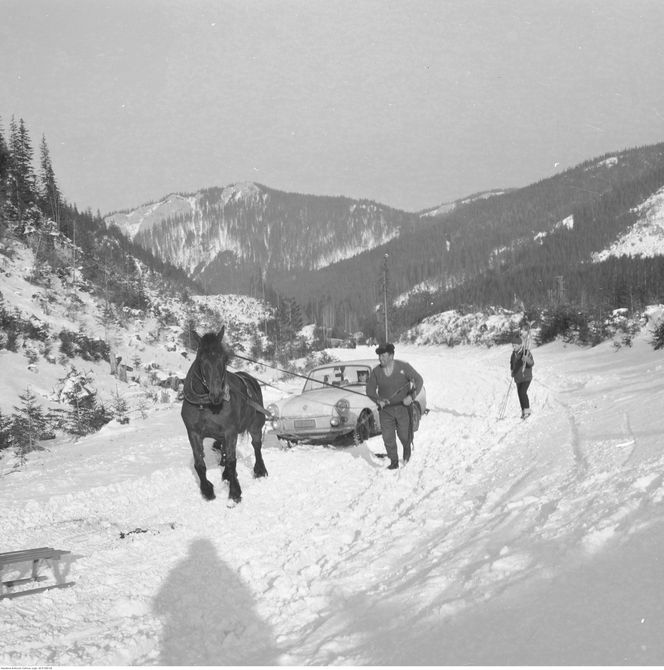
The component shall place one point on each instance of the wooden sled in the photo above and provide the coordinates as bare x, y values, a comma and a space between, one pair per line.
35, 556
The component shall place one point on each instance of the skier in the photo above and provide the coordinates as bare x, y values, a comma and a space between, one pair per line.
393, 385
521, 366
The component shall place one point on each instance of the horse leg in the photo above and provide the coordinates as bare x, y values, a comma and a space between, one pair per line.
220, 448
256, 433
230, 471
207, 490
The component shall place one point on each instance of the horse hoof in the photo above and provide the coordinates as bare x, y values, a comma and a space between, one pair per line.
260, 473
208, 493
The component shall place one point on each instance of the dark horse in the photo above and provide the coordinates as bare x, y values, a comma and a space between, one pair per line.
220, 405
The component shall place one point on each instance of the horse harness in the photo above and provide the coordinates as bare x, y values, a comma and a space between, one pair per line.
202, 400
246, 394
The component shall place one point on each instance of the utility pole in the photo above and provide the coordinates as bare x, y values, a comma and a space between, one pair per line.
561, 288
263, 275
385, 294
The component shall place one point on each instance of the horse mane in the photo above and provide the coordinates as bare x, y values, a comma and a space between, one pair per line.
210, 342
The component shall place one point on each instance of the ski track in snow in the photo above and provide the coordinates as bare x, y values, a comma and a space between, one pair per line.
331, 558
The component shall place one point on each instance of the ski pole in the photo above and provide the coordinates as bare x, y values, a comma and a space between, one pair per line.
503, 407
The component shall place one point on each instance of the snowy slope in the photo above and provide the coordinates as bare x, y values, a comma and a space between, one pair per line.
446, 207
646, 237
147, 216
152, 338
502, 542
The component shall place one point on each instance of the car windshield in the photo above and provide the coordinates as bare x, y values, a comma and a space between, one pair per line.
342, 374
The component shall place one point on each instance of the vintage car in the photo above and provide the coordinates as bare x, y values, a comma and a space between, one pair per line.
333, 405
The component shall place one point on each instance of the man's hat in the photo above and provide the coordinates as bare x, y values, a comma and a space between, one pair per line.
387, 348
517, 339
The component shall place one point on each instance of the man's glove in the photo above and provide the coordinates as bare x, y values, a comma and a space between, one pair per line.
408, 400
382, 404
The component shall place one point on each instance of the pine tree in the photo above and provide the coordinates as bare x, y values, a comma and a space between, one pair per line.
290, 319
5, 426
86, 415
22, 190
256, 347
28, 425
142, 406
186, 337
48, 187
4, 178
120, 408
657, 339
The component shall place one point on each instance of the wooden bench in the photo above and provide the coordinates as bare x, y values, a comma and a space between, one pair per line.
35, 556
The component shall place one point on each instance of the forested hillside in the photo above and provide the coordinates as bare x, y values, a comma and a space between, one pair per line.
531, 245
65, 240
234, 238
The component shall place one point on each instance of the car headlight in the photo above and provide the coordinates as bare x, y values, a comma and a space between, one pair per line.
342, 406
273, 410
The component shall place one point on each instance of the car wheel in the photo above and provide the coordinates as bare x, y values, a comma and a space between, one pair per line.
364, 427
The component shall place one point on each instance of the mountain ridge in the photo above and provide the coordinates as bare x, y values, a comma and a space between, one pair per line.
220, 230
328, 252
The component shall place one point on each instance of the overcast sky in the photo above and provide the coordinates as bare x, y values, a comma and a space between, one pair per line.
410, 103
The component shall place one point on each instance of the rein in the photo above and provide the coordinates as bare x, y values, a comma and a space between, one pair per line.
201, 399
295, 374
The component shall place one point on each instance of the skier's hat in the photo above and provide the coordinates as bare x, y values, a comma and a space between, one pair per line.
517, 339
387, 348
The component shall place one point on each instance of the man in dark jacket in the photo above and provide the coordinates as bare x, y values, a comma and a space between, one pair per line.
521, 365
393, 385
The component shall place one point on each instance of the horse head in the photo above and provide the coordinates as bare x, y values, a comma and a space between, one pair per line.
212, 356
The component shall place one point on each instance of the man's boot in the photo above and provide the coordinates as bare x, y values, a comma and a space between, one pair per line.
394, 465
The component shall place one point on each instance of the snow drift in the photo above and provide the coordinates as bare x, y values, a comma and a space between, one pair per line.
501, 542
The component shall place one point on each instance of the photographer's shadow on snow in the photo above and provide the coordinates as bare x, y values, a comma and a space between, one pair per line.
209, 616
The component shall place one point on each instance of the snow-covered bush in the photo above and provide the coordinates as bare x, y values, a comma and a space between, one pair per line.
654, 317
567, 322
14, 327
453, 328
622, 327
84, 414
78, 344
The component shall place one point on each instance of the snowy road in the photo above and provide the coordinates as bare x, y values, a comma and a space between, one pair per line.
478, 552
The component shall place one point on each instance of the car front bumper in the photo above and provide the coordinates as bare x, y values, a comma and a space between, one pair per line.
316, 429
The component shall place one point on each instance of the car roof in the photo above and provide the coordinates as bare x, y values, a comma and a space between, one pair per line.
369, 362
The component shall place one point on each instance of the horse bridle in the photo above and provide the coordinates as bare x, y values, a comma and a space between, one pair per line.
199, 398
